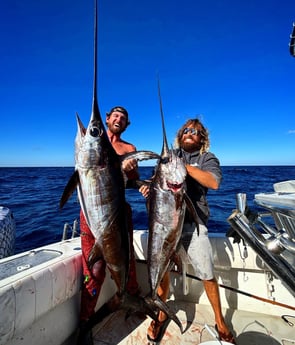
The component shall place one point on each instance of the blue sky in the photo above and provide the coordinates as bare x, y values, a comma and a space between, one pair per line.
225, 61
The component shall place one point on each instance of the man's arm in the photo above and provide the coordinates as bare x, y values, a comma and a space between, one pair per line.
205, 178
129, 166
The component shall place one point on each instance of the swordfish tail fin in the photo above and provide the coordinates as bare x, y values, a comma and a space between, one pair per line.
147, 306
153, 305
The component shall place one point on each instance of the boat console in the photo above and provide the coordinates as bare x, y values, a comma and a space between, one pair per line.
270, 232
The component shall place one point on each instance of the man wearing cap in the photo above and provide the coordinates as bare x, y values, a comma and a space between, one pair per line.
117, 121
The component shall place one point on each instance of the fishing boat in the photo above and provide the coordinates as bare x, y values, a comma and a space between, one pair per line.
254, 265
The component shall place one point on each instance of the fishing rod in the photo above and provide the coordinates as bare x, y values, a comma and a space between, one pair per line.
246, 293
233, 289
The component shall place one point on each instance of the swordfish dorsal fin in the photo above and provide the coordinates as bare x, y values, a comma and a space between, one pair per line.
81, 128
165, 148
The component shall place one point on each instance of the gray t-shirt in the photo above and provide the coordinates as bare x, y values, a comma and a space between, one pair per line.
198, 193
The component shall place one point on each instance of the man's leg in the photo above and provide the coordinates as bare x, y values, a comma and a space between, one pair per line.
212, 291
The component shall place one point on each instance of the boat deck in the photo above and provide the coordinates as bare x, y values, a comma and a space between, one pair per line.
249, 328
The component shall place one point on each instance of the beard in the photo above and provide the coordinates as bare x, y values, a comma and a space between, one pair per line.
116, 130
189, 146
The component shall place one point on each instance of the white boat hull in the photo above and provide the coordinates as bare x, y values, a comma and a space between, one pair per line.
40, 304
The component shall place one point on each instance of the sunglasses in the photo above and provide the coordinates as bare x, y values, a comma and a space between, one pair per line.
191, 130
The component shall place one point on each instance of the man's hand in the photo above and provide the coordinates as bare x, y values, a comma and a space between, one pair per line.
129, 164
144, 190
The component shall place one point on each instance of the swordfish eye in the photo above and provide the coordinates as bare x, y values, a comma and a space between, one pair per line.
95, 132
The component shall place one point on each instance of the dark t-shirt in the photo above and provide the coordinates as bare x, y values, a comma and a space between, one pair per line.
197, 193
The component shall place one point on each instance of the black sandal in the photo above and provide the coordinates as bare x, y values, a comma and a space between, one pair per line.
161, 326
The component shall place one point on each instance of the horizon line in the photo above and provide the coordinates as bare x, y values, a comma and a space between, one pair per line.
141, 166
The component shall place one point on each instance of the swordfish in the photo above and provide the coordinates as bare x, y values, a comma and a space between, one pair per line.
101, 190
167, 204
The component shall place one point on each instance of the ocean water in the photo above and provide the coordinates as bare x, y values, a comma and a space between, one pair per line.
33, 195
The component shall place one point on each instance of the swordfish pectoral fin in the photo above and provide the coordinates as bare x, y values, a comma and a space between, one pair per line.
181, 260
95, 256
69, 189
191, 208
